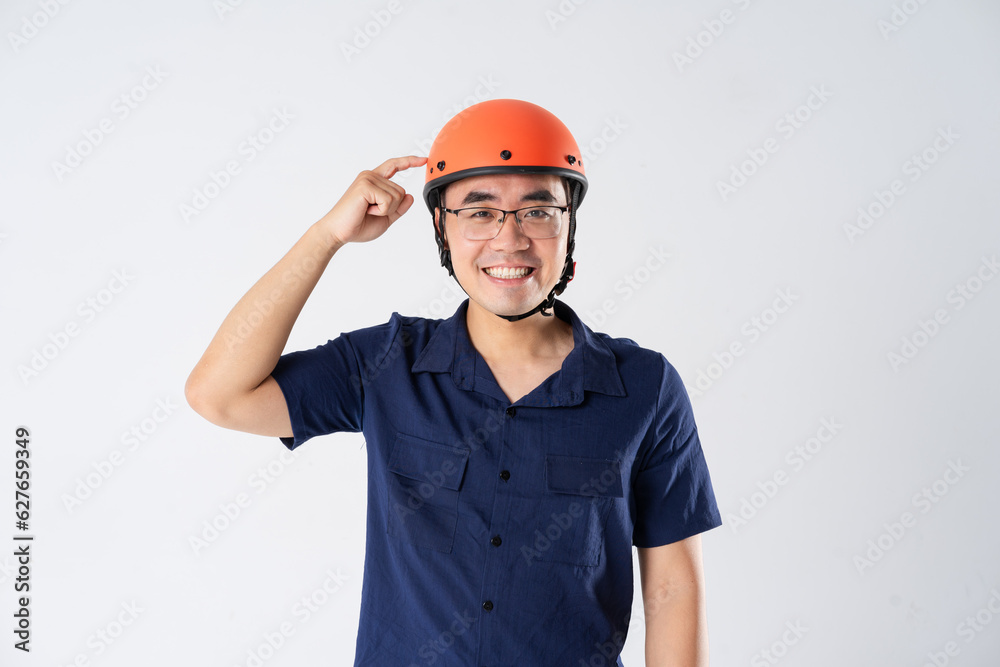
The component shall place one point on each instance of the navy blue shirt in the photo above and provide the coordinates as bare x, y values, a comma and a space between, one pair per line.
500, 533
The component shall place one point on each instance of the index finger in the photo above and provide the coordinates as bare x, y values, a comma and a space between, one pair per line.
392, 166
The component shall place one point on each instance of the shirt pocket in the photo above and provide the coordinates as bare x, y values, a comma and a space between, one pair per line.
423, 488
577, 498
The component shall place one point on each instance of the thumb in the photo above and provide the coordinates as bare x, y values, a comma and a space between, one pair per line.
404, 205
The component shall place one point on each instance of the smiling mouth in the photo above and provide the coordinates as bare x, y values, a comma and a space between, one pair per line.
508, 272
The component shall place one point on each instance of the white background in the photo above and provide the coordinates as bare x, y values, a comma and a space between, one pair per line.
661, 134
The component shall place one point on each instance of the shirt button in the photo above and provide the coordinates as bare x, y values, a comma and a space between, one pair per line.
511, 411
505, 475
488, 606
496, 541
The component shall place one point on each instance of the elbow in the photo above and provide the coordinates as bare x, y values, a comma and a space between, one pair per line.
199, 397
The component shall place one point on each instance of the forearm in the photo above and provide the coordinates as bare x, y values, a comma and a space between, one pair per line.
676, 628
251, 339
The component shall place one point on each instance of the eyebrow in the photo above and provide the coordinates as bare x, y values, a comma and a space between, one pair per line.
539, 195
477, 196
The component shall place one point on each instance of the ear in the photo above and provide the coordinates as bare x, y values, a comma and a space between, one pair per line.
438, 227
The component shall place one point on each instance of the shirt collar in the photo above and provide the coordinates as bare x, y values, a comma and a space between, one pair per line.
591, 366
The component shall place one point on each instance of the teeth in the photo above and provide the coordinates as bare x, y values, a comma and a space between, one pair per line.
505, 272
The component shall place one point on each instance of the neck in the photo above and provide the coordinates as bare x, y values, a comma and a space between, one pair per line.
532, 337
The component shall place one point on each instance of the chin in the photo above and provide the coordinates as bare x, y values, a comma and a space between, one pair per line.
506, 306
492, 297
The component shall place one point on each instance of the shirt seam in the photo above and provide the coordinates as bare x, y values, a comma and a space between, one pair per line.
652, 422
396, 324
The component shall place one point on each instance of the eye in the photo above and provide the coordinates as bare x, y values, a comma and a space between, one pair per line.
537, 214
479, 215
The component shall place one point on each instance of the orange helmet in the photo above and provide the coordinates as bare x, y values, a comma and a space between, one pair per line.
506, 137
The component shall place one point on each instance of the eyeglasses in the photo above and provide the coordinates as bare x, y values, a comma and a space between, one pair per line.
536, 222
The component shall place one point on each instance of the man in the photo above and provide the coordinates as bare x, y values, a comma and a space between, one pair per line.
514, 455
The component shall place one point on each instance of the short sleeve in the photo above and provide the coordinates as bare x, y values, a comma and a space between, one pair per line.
673, 489
322, 388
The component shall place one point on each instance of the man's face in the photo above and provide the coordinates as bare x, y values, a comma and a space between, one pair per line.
473, 261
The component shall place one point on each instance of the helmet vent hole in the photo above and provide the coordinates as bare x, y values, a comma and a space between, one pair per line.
504, 154
571, 159
441, 165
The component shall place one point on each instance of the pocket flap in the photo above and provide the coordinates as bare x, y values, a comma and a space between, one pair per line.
428, 461
581, 476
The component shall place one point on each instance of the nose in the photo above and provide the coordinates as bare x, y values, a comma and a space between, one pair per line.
510, 236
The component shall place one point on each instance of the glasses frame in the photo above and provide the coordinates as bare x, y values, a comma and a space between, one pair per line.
520, 223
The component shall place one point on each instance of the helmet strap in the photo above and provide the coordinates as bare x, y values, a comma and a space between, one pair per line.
443, 252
